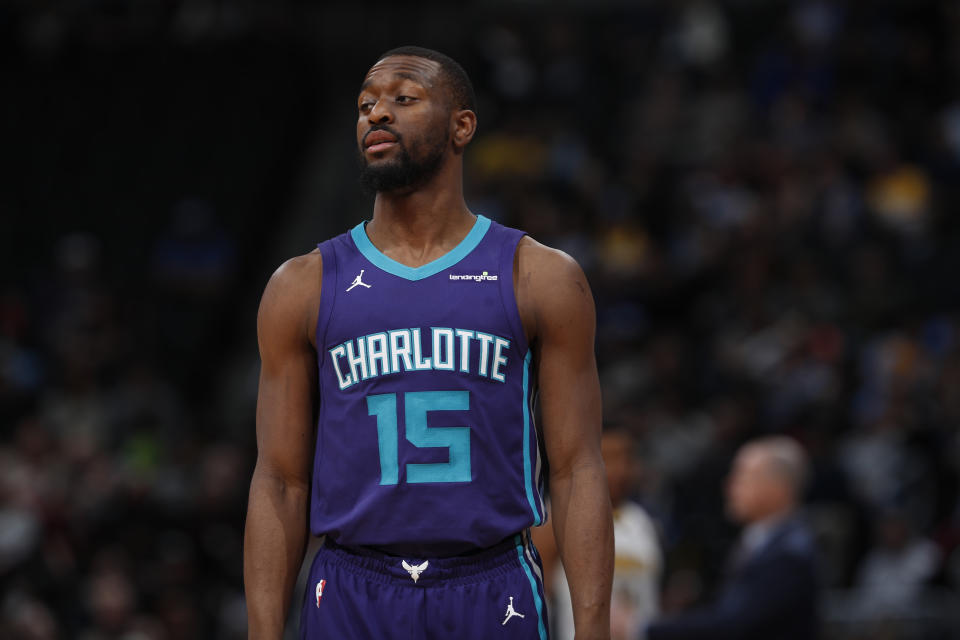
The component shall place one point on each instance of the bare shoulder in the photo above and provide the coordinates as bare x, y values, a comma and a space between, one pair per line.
292, 295
550, 286
294, 279
541, 262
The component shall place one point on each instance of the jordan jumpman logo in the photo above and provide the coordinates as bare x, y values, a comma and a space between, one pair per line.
358, 281
511, 612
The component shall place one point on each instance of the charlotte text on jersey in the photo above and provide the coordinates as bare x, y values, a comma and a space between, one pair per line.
400, 350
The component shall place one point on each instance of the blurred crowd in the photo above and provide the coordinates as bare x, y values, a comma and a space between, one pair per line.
767, 219
120, 509
762, 194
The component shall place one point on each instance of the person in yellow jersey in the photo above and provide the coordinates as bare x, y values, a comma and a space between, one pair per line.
638, 560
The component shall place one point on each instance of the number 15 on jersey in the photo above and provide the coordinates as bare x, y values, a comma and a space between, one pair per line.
416, 405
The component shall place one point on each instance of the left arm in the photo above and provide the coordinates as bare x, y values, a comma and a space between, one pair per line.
555, 299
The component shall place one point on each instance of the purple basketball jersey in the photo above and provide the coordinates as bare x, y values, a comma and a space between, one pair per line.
425, 437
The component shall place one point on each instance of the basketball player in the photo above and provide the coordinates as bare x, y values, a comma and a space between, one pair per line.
421, 338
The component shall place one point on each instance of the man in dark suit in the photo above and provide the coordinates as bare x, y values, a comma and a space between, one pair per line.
770, 591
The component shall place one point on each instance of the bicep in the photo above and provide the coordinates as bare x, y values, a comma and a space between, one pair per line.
288, 376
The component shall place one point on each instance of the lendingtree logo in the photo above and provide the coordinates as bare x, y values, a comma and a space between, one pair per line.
476, 277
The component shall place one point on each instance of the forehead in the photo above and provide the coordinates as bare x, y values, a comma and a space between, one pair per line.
419, 70
751, 459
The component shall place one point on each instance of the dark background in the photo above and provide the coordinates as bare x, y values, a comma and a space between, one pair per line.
763, 193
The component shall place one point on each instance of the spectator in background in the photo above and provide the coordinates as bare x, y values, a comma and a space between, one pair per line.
770, 591
896, 570
637, 557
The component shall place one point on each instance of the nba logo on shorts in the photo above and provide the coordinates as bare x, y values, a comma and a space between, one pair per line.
320, 586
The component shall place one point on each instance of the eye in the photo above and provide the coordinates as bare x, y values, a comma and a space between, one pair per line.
404, 99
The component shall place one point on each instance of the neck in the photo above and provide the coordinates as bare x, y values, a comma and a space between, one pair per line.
417, 226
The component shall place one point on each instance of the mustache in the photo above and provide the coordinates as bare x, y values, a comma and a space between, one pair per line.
381, 127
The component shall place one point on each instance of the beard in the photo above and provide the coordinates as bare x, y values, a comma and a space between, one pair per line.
403, 172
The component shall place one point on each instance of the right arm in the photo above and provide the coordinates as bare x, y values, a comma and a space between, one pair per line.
276, 527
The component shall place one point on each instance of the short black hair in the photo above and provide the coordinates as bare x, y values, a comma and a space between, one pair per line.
458, 82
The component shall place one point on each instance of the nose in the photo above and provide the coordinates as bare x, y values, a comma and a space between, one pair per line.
380, 113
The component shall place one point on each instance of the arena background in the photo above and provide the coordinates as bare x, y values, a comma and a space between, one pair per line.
763, 193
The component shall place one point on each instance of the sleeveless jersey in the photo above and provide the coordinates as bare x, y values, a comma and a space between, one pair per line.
425, 437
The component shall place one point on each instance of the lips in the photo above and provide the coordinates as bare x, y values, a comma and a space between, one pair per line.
378, 140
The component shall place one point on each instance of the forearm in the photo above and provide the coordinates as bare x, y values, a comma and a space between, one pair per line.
274, 543
583, 528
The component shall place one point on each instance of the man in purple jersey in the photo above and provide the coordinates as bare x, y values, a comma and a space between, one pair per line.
418, 341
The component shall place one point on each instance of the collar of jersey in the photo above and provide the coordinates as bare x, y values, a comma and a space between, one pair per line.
447, 260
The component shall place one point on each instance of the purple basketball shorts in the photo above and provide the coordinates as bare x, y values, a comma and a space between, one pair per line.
362, 594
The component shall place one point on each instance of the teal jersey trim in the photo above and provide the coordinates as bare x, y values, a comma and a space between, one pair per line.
452, 257
533, 587
527, 470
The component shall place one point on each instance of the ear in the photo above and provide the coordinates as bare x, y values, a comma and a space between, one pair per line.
464, 123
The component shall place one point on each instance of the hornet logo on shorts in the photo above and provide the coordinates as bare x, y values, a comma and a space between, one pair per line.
415, 570
320, 586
